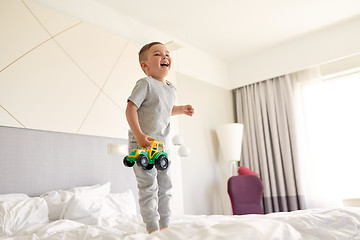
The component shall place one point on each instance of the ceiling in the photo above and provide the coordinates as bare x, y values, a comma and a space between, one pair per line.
232, 29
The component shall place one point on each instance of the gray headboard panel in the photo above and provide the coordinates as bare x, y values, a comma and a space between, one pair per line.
34, 162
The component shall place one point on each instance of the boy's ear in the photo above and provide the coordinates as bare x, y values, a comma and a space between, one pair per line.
143, 65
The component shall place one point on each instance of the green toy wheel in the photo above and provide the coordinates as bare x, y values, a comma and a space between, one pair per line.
142, 161
128, 163
149, 167
162, 163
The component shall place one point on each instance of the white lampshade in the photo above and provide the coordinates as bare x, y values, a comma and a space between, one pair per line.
177, 140
184, 151
230, 137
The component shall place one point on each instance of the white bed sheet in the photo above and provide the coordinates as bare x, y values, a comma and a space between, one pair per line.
324, 224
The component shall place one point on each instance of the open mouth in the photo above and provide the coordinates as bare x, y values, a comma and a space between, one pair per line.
164, 64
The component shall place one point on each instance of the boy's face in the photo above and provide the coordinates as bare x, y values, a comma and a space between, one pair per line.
158, 62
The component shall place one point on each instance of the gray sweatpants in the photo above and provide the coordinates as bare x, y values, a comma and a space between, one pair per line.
154, 196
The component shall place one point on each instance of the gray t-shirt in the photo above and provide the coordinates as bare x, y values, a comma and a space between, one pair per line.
155, 101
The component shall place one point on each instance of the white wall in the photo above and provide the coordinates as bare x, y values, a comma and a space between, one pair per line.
204, 183
320, 47
60, 74
208, 68
341, 66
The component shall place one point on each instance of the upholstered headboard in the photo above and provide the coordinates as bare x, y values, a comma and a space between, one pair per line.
34, 162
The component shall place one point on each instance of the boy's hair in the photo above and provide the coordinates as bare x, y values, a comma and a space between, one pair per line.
144, 49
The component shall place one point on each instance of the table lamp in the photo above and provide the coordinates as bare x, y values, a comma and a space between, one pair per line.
230, 138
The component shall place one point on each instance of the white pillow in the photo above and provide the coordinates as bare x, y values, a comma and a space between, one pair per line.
98, 189
122, 203
58, 200
13, 197
16, 216
89, 210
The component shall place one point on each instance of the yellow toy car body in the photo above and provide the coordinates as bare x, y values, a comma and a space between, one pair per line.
148, 157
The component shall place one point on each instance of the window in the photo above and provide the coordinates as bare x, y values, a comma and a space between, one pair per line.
333, 139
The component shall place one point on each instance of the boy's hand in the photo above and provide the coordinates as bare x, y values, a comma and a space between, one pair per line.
188, 110
183, 109
144, 141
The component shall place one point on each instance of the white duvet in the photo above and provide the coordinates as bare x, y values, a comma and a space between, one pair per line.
322, 224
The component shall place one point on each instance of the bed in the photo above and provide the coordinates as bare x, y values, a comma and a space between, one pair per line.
67, 186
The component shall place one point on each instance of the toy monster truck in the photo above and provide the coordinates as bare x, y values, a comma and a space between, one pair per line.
148, 157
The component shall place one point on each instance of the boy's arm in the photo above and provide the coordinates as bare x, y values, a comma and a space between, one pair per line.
133, 120
184, 109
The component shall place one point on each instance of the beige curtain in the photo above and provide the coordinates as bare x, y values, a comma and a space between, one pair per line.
270, 142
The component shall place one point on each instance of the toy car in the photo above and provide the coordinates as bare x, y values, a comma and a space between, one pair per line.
148, 157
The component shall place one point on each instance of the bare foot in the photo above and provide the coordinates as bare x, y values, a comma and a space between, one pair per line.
151, 231
161, 228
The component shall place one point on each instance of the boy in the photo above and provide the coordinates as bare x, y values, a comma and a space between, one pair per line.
148, 112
